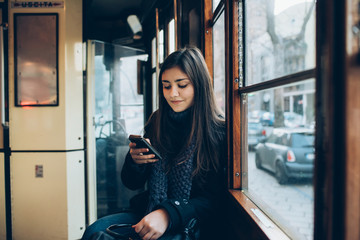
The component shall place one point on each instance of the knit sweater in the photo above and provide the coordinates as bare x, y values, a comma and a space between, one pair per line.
175, 182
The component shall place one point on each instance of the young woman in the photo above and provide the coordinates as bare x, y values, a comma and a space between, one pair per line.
188, 183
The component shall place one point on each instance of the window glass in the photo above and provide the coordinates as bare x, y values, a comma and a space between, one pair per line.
153, 53
36, 60
219, 61
215, 4
161, 46
281, 152
119, 111
302, 140
280, 38
154, 92
171, 36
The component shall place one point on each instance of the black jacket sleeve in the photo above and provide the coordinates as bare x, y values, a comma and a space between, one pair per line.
134, 175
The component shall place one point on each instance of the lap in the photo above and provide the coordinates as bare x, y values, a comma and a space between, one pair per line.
104, 222
101, 224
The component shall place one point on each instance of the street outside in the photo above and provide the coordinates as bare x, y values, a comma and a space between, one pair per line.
291, 205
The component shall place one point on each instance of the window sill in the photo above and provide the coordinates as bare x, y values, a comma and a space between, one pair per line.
265, 224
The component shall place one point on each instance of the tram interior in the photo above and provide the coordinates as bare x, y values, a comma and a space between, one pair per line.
62, 160
108, 21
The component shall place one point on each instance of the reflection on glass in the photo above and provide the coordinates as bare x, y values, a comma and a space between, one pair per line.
119, 111
281, 155
280, 38
219, 61
36, 76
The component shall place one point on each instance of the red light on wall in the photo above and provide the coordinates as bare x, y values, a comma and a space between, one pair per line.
27, 104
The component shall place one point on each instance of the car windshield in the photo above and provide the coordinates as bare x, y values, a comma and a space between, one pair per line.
302, 140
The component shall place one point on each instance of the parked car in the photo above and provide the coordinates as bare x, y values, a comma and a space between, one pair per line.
292, 119
289, 153
267, 119
256, 133
256, 115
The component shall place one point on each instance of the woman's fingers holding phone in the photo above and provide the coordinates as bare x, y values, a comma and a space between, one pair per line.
137, 151
139, 155
144, 158
132, 145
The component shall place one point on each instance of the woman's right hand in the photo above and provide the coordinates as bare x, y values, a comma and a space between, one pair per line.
153, 225
138, 155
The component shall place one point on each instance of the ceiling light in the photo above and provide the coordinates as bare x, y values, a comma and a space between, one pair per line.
135, 26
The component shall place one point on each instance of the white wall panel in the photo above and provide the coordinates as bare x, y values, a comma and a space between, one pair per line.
75, 194
51, 206
2, 199
60, 127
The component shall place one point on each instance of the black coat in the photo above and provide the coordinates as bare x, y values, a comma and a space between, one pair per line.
206, 197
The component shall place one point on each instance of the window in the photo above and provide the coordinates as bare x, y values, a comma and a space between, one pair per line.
276, 45
118, 110
215, 4
153, 75
36, 78
154, 92
171, 37
153, 53
280, 38
219, 58
161, 46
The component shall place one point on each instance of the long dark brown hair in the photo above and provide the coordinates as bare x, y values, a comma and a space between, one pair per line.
207, 119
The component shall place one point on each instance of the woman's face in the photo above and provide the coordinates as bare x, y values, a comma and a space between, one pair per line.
178, 89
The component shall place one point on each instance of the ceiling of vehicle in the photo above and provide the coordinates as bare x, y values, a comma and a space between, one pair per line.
106, 20
113, 8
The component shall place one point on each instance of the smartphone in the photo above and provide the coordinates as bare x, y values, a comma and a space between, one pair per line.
142, 143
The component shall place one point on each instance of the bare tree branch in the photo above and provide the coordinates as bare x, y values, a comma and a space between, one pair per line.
301, 34
271, 21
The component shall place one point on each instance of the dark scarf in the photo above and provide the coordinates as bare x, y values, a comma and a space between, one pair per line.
177, 182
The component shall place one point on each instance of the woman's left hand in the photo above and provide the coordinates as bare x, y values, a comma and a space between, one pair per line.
153, 225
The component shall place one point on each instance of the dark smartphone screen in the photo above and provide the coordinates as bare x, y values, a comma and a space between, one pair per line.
142, 143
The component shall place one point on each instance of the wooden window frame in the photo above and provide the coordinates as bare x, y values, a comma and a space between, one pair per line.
207, 33
336, 178
236, 116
